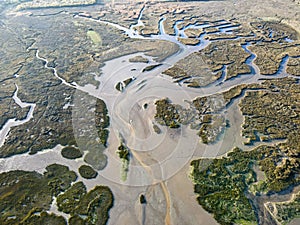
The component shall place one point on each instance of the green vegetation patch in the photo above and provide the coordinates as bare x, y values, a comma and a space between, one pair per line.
10, 110
27, 196
221, 185
287, 211
273, 114
211, 128
21, 193
24, 195
230, 53
204, 114
167, 113
94, 206
193, 71
276, 111
44, 218
76, 220
271, 54
86, 207
102, 121
67, 201
59, 178
87, 172
124, 154
71, 152
95, 37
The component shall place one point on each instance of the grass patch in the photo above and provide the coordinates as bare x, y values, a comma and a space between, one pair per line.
95, 37
71, 153
87, 172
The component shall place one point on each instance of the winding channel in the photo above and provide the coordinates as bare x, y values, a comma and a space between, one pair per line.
4, 132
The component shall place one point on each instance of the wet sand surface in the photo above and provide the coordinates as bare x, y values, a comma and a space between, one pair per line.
295, 221
183, 201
